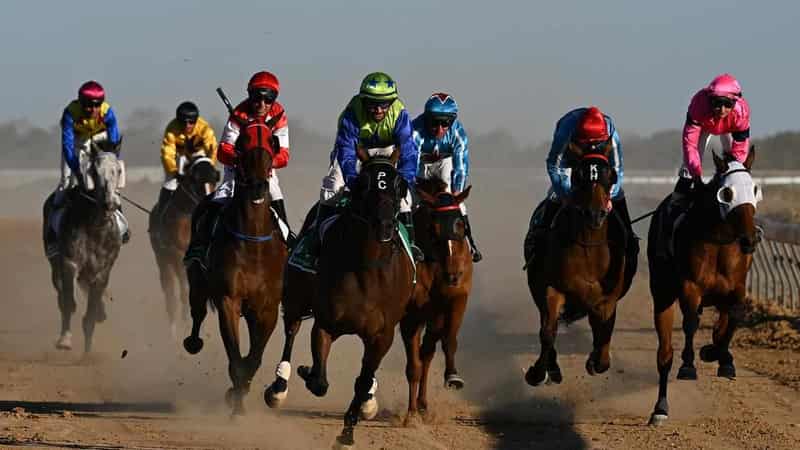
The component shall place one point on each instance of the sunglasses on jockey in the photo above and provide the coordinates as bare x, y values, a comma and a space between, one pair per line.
373, 105
91, 103
263, 94
722, 102
442, 121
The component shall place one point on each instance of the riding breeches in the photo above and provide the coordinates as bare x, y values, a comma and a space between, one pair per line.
84, 149
443, 170
226, 188
333, 182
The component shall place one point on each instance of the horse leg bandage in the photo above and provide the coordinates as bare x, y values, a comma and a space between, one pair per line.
284, 370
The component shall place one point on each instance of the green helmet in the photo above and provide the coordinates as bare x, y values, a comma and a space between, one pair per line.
378, 86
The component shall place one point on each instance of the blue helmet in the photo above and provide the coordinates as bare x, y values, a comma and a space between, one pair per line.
441, 104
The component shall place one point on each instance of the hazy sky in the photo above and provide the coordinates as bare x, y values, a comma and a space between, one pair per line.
512, 64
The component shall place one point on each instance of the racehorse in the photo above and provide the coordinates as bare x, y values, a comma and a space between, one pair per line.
364, 284
89, 241
581, 266
713, 250
245, 267
444, 282
171, 228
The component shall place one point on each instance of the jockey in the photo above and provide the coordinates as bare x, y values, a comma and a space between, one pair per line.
86, 120
584, 127
260, 105
185, 134
444, 150
375, 118
717, 109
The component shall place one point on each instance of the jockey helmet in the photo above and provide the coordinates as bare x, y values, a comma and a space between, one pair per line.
264, 84
187, 112
378, 86
592, 127
441, 104
724, 85
91, 93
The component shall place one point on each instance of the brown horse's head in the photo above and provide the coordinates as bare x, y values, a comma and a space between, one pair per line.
447, 230
200, 176
733, 193
377, 193
254, 153
592, 177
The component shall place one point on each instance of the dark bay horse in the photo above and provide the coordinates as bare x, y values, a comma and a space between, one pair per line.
444, 282
89, 241
713, 250
245, 272
364, 284
171, 228
582, 265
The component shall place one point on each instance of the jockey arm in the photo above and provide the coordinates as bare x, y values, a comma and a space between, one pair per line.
460, 144
112, 128
556, 163
227, 152
409, 153
615, 159
68, 142
281, 134
208, 141
345, 147
169, 153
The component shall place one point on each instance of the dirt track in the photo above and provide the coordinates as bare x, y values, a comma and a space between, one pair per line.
159, 397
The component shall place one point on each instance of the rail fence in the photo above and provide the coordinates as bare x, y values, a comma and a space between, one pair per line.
775, 273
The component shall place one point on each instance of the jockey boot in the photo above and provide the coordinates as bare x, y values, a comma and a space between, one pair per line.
203, 220
407, 219
631, 242
280, 209
476, 254
122, 223
49, 235
541, 220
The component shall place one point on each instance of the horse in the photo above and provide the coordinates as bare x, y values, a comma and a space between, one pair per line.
581, 266
713, 250
444, 282
364, 284
245, 272
171, 228
89, 241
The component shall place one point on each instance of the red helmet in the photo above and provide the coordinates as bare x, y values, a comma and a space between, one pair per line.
591, 127
91, 92
725, 86
263, 80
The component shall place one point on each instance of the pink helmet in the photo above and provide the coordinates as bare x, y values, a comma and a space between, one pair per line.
91, 92
725, 86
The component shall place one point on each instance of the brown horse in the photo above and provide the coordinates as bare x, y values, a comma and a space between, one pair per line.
364, 284
581, 266
444, 282
245, 274
171, 228
713, 250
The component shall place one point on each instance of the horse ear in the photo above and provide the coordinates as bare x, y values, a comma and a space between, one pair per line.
463, 195
426, 197
362, 154
395, 155
751, 156
719, 163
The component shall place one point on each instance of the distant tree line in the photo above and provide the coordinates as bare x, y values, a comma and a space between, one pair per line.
26, 146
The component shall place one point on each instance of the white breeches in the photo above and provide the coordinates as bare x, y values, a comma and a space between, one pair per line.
226, 188
443, 170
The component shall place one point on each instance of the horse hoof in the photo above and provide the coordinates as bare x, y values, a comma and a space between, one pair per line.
593, 366
536, 376
275, 399
193, 345
687, 373
65, 341
342, 444
554, 376
727, 371
369, 409
304, 372
709, 353
454, 382
313, 384
658, 419
230, 397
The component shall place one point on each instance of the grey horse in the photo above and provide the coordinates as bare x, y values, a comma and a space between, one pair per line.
89, 240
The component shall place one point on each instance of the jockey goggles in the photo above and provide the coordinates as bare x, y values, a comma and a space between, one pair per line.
267, 95
91, 102
372, 105
719, 102
444, 122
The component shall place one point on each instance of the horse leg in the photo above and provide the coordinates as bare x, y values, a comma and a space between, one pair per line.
183, 285
454, 319
433, 333
276, 393
599, 360
722, 335
411, 330
229, 314
364, 388
65, 282
94, 312
547, 365
260, 326
691, 321
198, 300
166, 275
663, 318
316, 377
